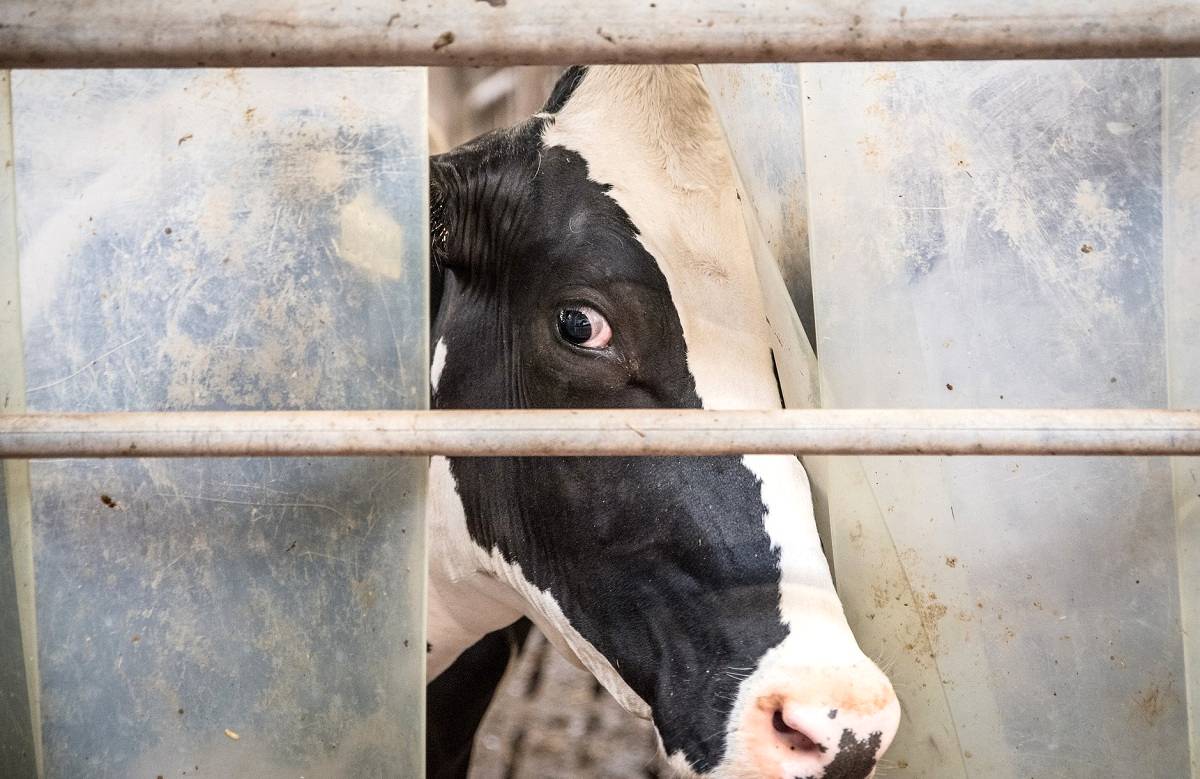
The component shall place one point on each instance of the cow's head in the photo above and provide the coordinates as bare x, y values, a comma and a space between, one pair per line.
595, 257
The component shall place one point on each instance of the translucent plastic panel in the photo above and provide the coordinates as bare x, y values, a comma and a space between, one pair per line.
992, 235
226, 240
771, 180
1013, 258
1181, 217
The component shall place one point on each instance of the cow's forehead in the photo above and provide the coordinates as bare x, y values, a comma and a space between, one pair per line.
651, 137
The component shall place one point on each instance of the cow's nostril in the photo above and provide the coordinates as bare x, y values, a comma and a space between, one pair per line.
797, 741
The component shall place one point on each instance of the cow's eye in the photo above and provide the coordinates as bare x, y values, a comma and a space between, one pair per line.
584, 326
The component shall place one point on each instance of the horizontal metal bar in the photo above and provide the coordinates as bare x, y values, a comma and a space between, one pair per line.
232, 33
601, 432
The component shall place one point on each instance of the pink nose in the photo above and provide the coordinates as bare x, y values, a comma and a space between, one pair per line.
802, 733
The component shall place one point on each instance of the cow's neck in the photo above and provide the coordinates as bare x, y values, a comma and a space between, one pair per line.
464, 602
472, 591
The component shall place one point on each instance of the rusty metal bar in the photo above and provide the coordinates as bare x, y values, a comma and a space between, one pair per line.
232, 33
601, 432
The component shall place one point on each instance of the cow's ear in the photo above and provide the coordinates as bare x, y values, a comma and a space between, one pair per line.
440, 176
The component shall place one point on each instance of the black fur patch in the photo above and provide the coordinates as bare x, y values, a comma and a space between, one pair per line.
855, 759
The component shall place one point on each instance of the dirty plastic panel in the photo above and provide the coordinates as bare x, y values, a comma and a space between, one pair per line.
1181, 257
771, 180
17, 748
226, 240
999, 235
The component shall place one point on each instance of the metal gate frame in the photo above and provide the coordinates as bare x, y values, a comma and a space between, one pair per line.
228, 33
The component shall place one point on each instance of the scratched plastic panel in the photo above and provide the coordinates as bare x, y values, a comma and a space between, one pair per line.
1181, 210
226, 240
991, 235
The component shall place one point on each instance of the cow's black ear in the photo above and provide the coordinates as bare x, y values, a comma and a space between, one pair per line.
439, 179
567, 83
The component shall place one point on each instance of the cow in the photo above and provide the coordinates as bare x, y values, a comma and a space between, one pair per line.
595, 256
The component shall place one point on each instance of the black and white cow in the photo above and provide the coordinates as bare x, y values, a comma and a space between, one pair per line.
595, 257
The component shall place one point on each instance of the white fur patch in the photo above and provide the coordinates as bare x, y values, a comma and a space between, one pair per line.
438, 364
790, 526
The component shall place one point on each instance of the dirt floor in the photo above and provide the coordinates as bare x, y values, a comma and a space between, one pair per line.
550, 719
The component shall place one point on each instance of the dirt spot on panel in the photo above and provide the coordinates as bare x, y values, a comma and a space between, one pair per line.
370, 237
931, 612
443, 40
1150, 704
951, 561
856, 536
107, 500
365, 594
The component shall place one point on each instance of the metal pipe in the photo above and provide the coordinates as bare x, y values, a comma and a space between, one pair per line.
243, 33
601, 432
